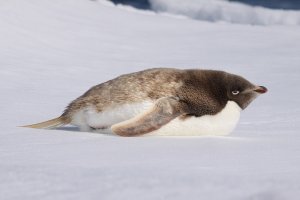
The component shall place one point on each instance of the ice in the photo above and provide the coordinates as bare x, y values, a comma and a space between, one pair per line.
225, 11
51, 51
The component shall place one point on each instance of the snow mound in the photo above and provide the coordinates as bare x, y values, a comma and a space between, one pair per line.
221, 10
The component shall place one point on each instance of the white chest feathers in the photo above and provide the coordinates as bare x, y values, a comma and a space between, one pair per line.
220, 124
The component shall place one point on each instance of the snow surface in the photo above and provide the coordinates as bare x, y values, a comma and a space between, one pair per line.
223, 10
51, 51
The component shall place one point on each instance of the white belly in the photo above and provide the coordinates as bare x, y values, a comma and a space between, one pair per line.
220, 124
89, 117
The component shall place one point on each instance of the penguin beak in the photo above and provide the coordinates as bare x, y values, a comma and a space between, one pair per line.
260, 89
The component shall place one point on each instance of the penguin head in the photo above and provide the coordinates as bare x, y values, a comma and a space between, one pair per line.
242, 91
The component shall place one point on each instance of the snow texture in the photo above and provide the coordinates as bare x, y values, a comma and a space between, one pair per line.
51, 51
223, 10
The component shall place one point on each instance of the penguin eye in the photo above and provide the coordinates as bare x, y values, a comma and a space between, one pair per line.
235, 92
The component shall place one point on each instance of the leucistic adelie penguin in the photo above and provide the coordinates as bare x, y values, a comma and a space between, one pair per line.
161, 101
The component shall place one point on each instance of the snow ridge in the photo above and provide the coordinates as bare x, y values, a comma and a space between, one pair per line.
221, 10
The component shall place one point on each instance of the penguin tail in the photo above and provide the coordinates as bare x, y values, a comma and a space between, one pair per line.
50, 124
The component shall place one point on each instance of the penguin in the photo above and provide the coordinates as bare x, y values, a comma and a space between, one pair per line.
161, 101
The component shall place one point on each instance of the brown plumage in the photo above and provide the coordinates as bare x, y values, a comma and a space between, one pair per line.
174, 93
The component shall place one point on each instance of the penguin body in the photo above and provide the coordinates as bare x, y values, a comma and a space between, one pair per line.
162, 102
220, 124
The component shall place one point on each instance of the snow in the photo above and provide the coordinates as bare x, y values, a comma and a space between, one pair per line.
223, 10
51, 51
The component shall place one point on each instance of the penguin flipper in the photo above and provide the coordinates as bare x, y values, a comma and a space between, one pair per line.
163, 111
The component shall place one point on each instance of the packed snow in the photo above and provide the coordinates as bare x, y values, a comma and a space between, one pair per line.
52, 51
223, 10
